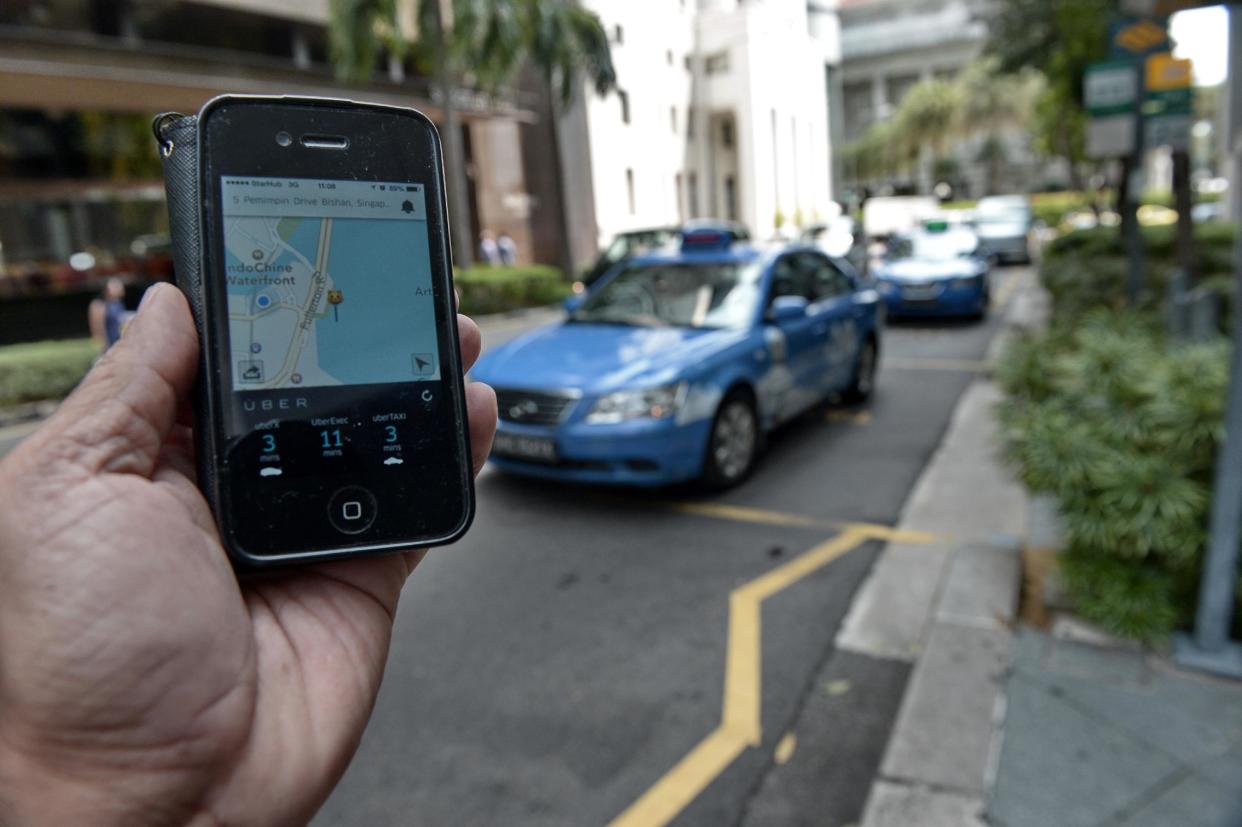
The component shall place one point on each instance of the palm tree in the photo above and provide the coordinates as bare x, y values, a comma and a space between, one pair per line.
479, 43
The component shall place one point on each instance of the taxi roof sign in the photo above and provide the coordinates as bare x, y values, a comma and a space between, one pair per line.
936, 225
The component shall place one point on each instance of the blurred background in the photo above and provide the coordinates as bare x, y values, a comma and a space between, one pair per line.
1031, 489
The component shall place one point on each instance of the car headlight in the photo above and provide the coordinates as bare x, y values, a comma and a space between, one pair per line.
640, 403
972, 281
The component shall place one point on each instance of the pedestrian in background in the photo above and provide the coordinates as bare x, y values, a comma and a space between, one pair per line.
106, 315
507, 249
489, 250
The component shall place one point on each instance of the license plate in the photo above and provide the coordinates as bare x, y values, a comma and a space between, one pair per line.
536, 448
918, 294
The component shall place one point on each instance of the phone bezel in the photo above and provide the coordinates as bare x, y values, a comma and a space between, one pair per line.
415, 138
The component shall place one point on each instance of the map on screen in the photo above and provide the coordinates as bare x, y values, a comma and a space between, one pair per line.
327, 300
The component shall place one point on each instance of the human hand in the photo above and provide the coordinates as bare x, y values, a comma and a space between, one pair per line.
139, 682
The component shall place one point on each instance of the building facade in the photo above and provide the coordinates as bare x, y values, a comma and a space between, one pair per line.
721, 112
79, 82
888, 47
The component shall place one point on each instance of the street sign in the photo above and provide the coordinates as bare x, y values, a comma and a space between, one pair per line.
1166, 73
1172, 131
1131, 37
1111, 136
1111, 88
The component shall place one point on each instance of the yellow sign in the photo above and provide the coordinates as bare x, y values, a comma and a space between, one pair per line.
1141, 36
1165, 72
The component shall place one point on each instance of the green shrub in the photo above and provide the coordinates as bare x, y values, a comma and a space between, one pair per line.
43, 370
486, 290
1087, 270
1121, 427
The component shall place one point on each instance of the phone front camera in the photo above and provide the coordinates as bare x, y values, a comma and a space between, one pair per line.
284, 138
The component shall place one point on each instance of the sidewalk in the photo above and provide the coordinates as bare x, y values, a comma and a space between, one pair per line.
949, 608
1100, 736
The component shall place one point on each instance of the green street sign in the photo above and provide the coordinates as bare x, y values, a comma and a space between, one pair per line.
1169, 102
1111, 88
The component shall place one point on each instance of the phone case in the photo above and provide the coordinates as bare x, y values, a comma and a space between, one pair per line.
179, 139
177, 135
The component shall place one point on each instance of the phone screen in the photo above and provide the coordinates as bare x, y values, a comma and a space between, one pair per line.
328, 283
335, 390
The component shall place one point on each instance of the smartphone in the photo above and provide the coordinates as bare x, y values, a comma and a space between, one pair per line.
332, 402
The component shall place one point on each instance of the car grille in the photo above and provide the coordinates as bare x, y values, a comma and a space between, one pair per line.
534, 407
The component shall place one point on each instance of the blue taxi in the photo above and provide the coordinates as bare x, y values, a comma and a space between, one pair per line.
674, 365
937, 270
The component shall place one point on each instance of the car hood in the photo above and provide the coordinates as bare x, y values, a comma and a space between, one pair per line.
598, 358
914, 270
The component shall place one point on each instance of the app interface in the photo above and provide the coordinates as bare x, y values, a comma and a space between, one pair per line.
328, 283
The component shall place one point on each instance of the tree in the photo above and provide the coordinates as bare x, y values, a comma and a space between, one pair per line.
474, 43
1059, 39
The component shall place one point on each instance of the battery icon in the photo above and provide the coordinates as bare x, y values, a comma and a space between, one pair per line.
411, 189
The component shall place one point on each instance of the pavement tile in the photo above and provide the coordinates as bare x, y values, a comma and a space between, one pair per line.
899, 805
1185, 715
1192, 802
1061, 766
944, 732
889, 615
981, 588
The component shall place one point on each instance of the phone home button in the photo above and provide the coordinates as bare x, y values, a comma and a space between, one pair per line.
352, 510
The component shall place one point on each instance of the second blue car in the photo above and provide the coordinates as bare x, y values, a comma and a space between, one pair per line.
935, 271
674, 366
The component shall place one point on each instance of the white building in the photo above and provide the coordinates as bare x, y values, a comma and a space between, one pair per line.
721, 112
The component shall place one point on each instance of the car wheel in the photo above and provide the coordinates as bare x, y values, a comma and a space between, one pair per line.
733, 445
863, 383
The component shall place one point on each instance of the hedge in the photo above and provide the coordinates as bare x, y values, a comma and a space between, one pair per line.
1087, 270
485, 290
43, 370
1121, 425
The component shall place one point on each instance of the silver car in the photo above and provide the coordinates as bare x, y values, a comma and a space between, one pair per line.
1003, 224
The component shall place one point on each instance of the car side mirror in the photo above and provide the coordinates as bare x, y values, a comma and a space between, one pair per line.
788, 308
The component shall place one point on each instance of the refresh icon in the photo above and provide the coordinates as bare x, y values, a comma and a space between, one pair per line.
428, 396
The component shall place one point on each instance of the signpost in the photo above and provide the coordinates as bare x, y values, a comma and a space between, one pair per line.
1210, 648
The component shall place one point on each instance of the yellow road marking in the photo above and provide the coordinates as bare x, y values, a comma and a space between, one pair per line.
760, 516
744, 514
851, 417
740, 722
785, 749
951, 365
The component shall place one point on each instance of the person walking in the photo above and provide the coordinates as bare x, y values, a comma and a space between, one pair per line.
489, 250
106, 315
507, 249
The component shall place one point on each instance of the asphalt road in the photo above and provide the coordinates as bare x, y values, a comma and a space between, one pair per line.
569, 655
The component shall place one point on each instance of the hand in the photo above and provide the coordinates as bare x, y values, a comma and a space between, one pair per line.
139, 682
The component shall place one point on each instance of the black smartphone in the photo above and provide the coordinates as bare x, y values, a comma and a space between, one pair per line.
332, 403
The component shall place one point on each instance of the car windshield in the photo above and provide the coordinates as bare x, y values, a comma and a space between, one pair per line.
709, 295
628, 244
1002, 212
934, 246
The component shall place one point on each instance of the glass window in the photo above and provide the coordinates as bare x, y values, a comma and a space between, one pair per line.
830, 282
706, 295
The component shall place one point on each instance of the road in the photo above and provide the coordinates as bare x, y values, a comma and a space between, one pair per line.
569, 657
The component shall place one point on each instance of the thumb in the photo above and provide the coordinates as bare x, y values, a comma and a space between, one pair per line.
120, 414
